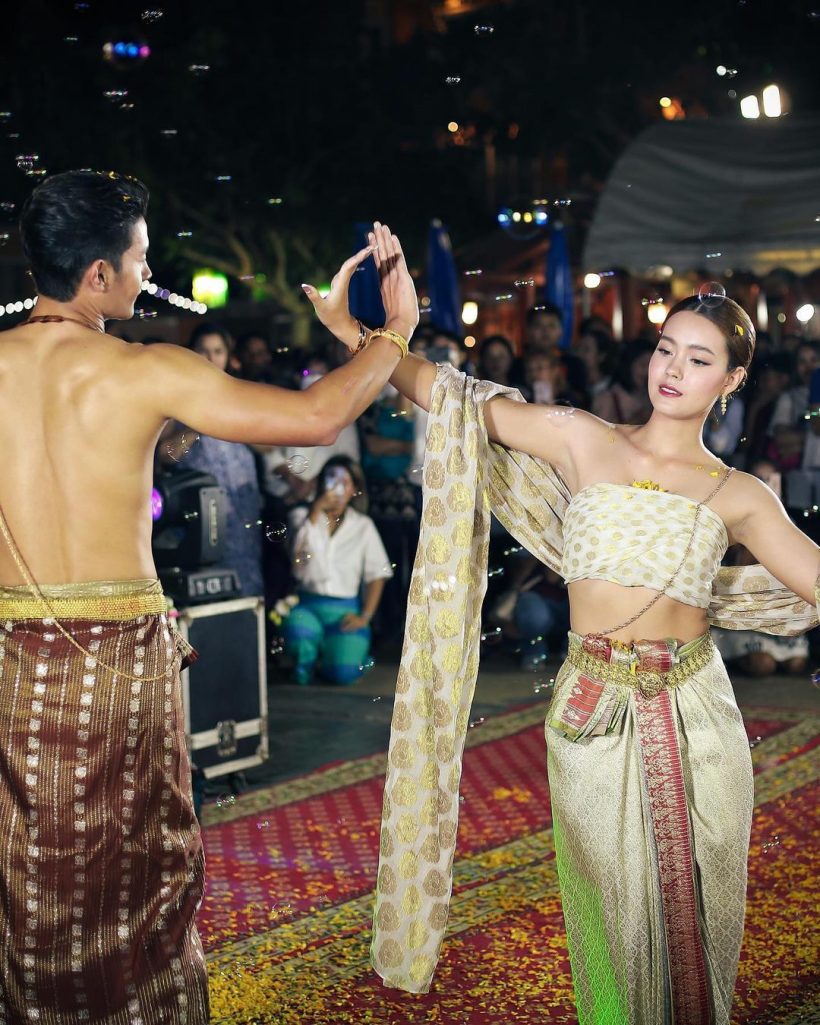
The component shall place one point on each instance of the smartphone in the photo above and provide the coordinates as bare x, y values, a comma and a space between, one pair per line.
336, 480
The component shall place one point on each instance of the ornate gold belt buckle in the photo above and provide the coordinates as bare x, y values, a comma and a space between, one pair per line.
650, 684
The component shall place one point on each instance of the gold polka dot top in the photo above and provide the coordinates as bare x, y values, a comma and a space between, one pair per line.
636, 537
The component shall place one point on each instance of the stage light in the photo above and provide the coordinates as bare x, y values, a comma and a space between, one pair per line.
665, 101
656, 313
452, 126
469, 341
749, 107
541, 216
805, 313
592, 280
157, 504
772, 106
469, 312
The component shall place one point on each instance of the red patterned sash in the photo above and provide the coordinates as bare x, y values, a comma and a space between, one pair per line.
663, 772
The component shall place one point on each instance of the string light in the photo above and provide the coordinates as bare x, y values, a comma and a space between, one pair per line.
18, 306
182, 301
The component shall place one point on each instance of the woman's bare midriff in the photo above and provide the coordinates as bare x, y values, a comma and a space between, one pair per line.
598, 605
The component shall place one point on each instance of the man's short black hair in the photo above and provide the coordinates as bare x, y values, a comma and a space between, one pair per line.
544, 309
75, 218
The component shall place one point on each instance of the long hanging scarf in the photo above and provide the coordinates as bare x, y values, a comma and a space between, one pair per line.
465, 477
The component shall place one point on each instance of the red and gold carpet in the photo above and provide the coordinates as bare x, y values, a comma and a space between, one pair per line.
286, 916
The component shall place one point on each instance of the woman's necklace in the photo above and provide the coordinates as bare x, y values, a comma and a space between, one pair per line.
651, 485
54, 318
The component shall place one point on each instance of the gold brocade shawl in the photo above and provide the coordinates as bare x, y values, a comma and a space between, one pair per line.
465, 477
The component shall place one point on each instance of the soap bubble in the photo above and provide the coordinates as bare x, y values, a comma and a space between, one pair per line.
223, 178
184, 233
477, 271
772, 842
36, 172
276, 532
71, 40
298, 464
712, 294
169, 133
7, 208
225, 800
376, 699
179, 450
525, 282
142, 314
366, 666
115, 94
252, 524
152, 15
754, 742
26, 161
651, 302
264, 824
476, 722
199, 69
277, 646
484, 30
712, 256
452, 79
505, 298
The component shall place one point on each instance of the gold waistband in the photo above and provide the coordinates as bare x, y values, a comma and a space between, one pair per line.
694, 657
104, 600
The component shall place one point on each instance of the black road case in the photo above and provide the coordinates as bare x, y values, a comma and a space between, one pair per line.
225, 690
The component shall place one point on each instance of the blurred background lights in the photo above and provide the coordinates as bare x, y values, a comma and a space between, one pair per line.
592, 280
469, 312
210, 287
656, 313
749, 107
805, 313
469, 341
772, 106
665, 101
452, 126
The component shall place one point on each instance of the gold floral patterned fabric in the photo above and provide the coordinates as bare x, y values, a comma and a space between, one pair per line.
101, 861
465, 476
637, 537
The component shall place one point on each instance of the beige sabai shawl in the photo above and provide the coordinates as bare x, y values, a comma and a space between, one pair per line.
465, 478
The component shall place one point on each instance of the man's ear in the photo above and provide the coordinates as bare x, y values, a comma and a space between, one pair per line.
98, 276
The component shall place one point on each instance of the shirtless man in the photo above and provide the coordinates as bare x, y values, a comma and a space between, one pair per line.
101, 866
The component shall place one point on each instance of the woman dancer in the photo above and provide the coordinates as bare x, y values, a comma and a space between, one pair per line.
649, 766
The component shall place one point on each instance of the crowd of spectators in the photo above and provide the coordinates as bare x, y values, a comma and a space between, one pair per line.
338, 525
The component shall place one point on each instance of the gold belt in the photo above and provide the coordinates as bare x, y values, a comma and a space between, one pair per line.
648, 682
105, 600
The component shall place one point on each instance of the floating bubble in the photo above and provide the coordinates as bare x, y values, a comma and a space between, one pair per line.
253, 525
366, 666
223, 178
36, 172
183, 446
276, 532
152, 15
169, 133
754, 742
184, 234
562, 202
476, 722
376, 699
298, 464
484, 30
115, 94
505, 298
491, 635
711, 256
225, 800
26, 161
652, 302
452, 79
264, 824
525, 282
142, 314
71, 40
199, 69
277, 646
712, 294
476, 272
770, 844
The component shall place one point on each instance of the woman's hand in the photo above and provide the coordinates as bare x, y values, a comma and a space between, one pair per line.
352, 622
401, 304
333, 310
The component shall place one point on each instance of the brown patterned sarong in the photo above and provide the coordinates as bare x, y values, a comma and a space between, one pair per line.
101, 862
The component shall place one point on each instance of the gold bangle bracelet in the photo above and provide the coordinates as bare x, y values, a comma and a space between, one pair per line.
394, 336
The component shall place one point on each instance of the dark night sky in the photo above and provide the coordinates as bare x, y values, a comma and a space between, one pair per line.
324, 106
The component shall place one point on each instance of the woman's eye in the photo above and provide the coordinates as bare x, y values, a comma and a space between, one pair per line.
700, 363
665, 352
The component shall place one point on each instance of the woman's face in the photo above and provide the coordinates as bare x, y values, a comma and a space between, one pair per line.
214, 349
689, 368
340, 484
587, 349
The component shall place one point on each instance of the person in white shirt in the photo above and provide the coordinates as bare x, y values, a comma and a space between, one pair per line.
336, 549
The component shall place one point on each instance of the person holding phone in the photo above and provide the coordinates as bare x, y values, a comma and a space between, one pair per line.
336, 550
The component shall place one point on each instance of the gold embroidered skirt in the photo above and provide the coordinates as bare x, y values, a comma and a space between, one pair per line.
652, 807
101, 861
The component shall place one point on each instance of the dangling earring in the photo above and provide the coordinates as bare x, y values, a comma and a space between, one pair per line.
723, 403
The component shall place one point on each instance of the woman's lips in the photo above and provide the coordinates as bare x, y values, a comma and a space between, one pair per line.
672, 393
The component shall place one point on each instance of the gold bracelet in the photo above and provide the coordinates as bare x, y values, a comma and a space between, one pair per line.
394, 336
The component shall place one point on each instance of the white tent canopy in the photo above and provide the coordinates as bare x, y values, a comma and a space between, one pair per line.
685, 191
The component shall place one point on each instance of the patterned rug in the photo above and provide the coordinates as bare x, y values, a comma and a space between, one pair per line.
286, 916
